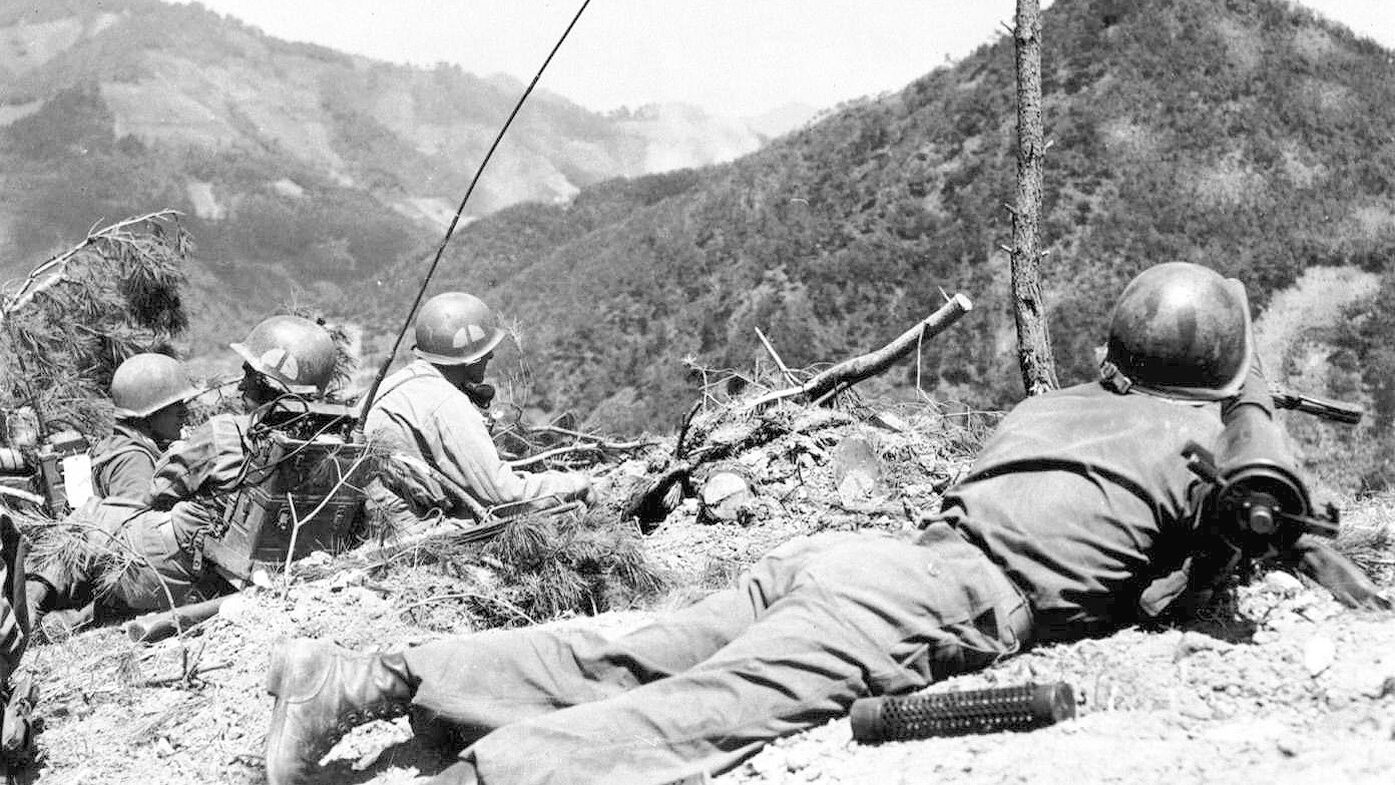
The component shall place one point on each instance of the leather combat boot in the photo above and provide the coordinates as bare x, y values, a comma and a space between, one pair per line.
322, 692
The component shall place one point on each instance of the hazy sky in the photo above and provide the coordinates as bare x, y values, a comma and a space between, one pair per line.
733, 57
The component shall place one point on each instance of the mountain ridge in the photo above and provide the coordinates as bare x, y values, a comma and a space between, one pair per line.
1248, 135
299, 168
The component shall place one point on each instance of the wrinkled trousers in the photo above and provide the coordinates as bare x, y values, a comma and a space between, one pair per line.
154, 568
814, 625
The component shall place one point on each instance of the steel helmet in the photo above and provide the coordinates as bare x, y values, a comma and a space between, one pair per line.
1180, 330
146, 383
456, 328
291, 350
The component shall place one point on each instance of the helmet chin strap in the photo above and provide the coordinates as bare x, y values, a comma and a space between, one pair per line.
1114, 379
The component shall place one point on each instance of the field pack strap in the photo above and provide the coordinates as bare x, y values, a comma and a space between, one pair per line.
377, 399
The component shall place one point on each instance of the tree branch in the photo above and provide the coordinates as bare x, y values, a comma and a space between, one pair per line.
849, 372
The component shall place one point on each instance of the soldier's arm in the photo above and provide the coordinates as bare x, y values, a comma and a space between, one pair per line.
1255, 392
467, 455
210, 461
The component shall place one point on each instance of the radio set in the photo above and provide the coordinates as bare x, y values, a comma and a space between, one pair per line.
302, 492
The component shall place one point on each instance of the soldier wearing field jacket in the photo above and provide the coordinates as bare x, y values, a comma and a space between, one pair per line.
150, 393
152, 523
433, 411
1075, 520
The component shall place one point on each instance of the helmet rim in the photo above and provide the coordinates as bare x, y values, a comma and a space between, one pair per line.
467, 359
456, 328
294, 338
183, 391
1154, 327
263, 369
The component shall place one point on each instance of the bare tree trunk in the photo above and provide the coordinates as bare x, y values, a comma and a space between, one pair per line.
1033, 335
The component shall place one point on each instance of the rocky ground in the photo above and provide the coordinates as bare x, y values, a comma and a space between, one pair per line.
1297, 689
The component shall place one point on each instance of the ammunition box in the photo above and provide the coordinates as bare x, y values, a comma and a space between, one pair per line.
317, 483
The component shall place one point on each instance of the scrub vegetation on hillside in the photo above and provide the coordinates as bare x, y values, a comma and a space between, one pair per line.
1247, 135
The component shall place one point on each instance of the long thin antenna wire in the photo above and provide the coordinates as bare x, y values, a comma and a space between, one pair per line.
450, 230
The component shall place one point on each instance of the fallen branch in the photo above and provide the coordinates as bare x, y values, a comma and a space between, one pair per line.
546, 455
774, 355
464, 595
849, 372
582, 444
184, 678
590, 437
457, 532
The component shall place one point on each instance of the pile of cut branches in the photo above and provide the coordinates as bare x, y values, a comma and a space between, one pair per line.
539, 567
67, 325
559, 444
738, 413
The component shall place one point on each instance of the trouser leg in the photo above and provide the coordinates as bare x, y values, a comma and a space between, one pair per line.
162, 567
485, 681
864, 615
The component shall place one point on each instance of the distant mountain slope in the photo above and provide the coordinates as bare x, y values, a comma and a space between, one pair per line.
299, 167
1247, 135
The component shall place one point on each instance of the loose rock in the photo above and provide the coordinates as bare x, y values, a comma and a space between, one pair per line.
1282, 583
1318, 654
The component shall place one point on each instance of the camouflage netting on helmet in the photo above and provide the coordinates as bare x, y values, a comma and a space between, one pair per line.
345, 359
65, 328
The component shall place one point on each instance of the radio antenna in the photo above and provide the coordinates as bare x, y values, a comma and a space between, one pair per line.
450, 230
